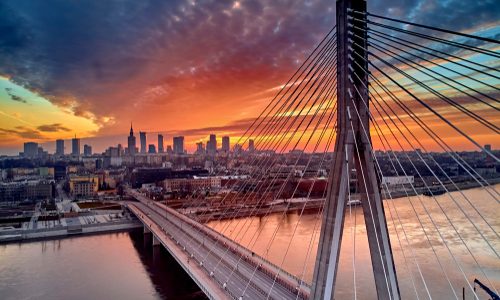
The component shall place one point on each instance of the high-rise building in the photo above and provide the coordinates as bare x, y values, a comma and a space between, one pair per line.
251, 146
178, 145
199, 148
487, 147
131, 142
75, 147
31, 149
142, 136
151, 148
87, 150
59, 147
169, 149
160, 144
212, 145
225, 144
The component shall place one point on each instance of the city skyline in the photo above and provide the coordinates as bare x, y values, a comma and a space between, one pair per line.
202, 92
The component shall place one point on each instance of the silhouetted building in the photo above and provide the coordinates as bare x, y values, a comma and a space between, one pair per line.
212, 145
98, 164
225, 144
251, 146
160, 144
131, 142
178, 145
87, 150
60, 171
142, 136
151, 148
59, 147
169, 149
31, 149
75, 146
199, 148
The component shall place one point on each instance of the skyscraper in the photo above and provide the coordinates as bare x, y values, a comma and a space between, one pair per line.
30, 149
251, 146
131, 141
142, 136
160, 143
75, 147
178, 145
59, 147
225, 144
87, 150
212, 145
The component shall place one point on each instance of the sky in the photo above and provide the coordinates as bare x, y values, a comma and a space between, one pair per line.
90, 68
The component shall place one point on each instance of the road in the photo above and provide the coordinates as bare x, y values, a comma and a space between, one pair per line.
231, 269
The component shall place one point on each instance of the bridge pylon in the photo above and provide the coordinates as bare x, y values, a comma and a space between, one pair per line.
353, 151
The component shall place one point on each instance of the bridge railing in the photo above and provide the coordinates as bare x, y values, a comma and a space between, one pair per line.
286, 279
142, 215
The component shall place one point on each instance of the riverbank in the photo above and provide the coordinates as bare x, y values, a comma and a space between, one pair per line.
205, 215
68, 227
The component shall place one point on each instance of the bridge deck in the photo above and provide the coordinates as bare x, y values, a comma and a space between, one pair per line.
191, 243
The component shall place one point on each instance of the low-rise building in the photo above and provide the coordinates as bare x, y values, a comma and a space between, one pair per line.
83, 186
192, 184
27, 190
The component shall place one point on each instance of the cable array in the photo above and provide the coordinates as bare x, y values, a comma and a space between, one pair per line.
427, 91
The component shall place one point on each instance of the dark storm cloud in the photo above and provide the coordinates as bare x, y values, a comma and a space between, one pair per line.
103, 53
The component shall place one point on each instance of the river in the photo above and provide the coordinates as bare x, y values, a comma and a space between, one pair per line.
125, 266
257, 232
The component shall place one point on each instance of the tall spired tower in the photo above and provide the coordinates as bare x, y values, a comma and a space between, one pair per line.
131, 141
353, 151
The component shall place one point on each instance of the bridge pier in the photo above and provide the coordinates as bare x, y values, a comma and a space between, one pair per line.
353, 151
146, 229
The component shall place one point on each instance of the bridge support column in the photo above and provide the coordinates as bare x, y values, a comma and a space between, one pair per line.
146, 229
353, 151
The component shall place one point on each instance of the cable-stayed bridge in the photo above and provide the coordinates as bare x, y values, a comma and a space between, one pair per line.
377, 98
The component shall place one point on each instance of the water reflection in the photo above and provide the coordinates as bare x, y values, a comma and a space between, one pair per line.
110, 266
169, 279
415, 249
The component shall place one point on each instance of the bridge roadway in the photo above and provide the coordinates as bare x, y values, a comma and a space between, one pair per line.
189, 242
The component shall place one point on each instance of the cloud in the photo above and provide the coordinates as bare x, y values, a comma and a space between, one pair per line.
172, 64
15, 97
22, 132
56, 127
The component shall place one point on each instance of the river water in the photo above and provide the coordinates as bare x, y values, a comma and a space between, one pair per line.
270, 237
110, 266
125, 266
